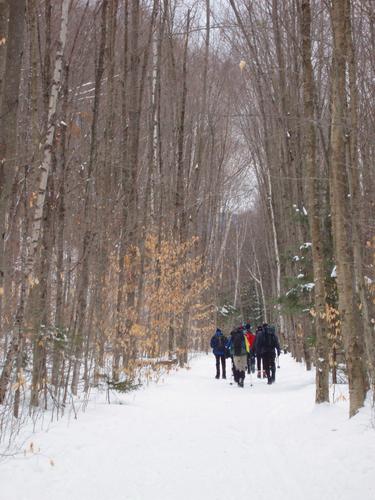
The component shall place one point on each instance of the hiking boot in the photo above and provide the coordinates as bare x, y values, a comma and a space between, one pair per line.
240, 382
223, 376
269, 381
217, 376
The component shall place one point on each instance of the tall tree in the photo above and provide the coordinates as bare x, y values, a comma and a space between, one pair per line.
314, 201
352, 330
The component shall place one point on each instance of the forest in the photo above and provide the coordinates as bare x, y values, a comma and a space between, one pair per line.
169, 166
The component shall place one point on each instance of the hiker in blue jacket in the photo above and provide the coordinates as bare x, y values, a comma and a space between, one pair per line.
218, 345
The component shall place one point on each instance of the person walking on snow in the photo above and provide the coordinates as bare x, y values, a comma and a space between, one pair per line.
258, 355
250, 339
266, 343
230, 351
239, 352
218, 345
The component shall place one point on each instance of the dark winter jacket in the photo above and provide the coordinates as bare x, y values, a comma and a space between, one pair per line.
266, 341
239, 333
217, 340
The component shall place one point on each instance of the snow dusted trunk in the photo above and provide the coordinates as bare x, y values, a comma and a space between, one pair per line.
51, 125
352, 329
322, 364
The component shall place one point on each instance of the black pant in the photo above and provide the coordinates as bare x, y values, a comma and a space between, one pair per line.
234, 371
259, 359
218, 359
250, 363
269, 365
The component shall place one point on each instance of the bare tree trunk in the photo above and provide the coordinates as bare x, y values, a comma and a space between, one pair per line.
38, 305
15, 352
125, 180
276, 250
47, 154
58, 343
322, 361
84, 278
181, 228
37, 219
32, 22
352, 331
356, 199
11, 54
201, 139
4, 13
134, 108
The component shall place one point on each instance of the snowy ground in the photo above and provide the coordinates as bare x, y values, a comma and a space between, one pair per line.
197, 438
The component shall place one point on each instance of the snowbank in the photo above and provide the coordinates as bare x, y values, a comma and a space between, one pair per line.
192, 437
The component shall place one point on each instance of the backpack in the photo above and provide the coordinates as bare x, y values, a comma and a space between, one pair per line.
220, 346
270, 340
237, 339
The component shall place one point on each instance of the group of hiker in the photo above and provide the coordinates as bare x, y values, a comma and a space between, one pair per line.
246, 350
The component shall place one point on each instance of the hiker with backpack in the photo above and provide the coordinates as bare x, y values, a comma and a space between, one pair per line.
230, 350
265, 345
219, 347
239, 354
250, 339
257, 354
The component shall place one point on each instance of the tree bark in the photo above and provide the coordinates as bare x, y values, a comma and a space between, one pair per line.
356, 199
90, 195
11, 55
181, 229
47, 153
4, 13
352, 330
322, 361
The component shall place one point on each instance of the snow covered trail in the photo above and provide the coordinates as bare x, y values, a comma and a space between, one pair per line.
196, 438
